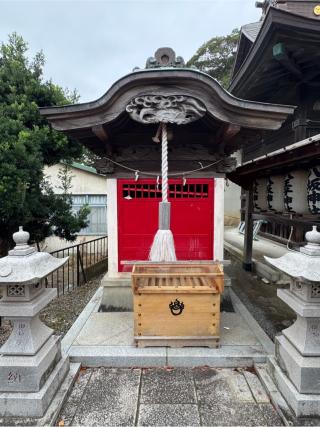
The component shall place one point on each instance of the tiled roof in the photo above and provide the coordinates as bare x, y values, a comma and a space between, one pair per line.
251, 30
82, 167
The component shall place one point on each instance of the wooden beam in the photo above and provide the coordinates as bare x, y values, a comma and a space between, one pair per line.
288, 158
225, 134
102, 134
248, 231
282, 219
230, 131
281, 55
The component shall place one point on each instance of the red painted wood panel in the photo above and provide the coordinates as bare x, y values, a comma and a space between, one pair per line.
191, 218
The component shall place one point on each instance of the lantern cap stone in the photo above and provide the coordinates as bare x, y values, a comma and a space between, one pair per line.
24, 265
313, 246
21, 239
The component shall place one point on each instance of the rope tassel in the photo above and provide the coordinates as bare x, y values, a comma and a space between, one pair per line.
162, 248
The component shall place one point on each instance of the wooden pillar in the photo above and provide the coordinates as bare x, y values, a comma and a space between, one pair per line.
248, 235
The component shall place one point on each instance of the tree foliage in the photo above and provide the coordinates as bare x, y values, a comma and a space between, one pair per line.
28, 143
216, 57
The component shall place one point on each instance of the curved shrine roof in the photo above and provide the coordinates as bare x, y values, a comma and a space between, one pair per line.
260, 72
166, 78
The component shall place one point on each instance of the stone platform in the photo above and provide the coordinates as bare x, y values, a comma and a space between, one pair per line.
168, 397
106, 339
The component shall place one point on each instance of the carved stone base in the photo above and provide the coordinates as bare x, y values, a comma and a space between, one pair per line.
309, 329
304, 372
303, 405
29, 373
304, 334
27, 336
34, 404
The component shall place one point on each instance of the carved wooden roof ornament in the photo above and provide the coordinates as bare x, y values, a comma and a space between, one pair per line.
176, 109
165, 57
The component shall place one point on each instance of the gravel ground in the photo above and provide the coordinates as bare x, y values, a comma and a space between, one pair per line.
5, 330
61, 313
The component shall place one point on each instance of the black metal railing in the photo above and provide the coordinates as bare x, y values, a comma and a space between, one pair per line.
85, 260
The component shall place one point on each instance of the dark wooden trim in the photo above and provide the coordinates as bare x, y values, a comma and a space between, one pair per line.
280, 54
121, 173
282, 219
244, 175
275, 238
248, 232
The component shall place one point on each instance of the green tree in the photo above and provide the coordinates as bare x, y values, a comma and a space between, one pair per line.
216, 57
64, 223
28, 143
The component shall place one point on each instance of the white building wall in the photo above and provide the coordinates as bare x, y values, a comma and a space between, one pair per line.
232, 198
83, 182
232, 203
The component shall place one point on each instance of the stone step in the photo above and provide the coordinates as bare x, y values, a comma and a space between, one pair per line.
117, 294
127, 356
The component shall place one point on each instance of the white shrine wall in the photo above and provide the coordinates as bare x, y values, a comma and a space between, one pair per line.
112, 221
218, 219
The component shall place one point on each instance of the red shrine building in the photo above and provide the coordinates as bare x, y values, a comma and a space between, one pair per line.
206, 124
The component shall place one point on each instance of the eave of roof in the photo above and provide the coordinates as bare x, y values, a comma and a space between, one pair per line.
246, 39
220, 104
301, 152
275, 18
85, 168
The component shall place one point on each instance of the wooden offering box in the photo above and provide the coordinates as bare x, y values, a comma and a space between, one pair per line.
177, 305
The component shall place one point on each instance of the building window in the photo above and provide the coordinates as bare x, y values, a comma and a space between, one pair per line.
98, 213
176, 191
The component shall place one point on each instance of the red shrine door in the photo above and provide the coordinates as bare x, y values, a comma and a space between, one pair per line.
191, 218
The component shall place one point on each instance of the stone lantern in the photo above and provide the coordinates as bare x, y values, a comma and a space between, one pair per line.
31, 365
296, 365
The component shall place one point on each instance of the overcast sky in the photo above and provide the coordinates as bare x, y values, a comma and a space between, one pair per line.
89, 44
